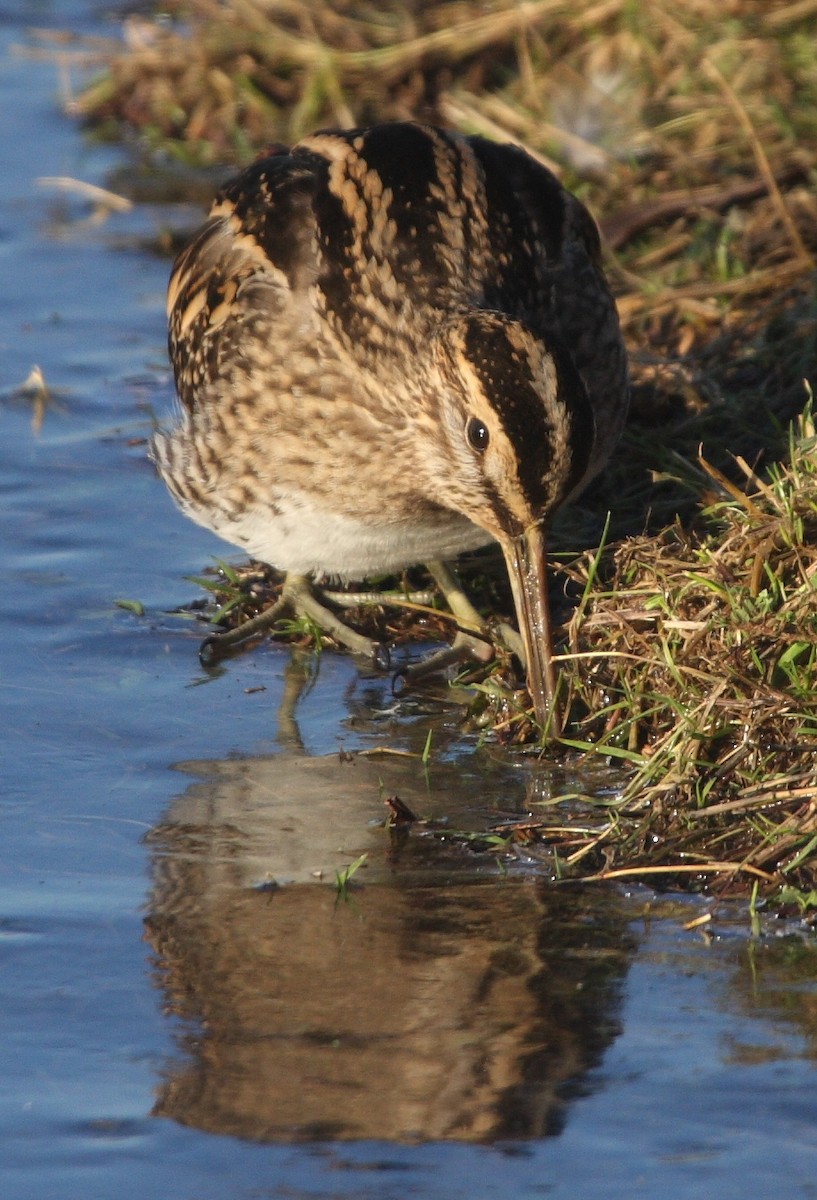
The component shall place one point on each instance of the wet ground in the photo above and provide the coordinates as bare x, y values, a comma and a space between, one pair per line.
188, 1009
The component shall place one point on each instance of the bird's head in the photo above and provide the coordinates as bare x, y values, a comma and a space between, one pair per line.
516, 418
518, 433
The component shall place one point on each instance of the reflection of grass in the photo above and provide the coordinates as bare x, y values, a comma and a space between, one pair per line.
343, 877
690, 642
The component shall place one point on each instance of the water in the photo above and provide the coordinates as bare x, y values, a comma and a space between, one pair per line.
187, 1009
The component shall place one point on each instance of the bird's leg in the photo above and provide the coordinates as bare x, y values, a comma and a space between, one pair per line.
297, 598
469, 620
471, 641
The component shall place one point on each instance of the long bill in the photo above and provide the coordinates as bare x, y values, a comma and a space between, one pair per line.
526, 559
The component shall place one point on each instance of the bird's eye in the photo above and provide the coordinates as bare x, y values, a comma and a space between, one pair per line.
477, 434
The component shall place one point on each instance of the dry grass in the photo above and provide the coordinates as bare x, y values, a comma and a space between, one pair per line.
692, 657
691, 130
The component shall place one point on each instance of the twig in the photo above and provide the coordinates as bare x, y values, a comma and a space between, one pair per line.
97, 195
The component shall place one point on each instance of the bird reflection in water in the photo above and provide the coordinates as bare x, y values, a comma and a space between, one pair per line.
445, 1001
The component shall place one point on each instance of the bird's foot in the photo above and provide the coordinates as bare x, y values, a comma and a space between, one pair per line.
465, 648
299, 600
217, 646
473, 643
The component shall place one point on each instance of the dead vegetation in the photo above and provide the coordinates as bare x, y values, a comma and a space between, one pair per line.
694, 659
691, 131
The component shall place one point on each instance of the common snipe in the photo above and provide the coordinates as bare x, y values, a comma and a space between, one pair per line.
393, 345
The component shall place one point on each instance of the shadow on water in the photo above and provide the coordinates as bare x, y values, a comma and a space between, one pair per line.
442, 1000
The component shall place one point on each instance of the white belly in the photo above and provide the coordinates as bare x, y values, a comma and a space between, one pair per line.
306, 540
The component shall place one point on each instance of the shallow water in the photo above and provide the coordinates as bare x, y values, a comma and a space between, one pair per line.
187, 1008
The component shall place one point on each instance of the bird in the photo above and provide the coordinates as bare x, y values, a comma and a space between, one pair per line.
392, 345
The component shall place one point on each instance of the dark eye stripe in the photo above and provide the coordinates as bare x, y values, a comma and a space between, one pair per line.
514, 394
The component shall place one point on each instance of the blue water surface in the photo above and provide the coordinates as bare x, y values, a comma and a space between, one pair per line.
697, 1077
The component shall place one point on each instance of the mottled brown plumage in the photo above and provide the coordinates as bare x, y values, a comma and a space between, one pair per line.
392, 345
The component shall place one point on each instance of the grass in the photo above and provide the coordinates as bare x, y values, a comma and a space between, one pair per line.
691, 659
688, 630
